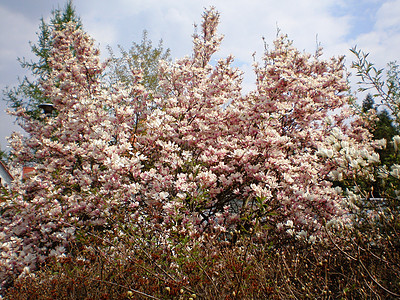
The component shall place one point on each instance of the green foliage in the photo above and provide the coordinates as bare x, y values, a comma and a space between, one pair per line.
143, 57
28, 93
386, 88
3, 155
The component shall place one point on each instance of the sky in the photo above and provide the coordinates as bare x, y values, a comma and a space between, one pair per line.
338, 25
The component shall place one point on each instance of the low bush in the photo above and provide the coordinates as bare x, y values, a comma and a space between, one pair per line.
139, 265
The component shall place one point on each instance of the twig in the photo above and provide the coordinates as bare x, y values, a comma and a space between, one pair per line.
372, 290
348, 255
287, 285
204, 271
374, 255
376, 282
132, 261
122, 286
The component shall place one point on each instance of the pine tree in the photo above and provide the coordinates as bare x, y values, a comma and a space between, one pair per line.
368, 103
28, 94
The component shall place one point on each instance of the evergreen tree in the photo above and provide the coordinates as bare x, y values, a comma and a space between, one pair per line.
384, 127
28, 94
368, 103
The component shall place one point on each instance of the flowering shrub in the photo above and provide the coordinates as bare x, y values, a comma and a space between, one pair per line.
205, 159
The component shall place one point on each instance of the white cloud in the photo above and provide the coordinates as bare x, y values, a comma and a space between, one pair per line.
242, 22
302, 21
388, 16
383, 41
